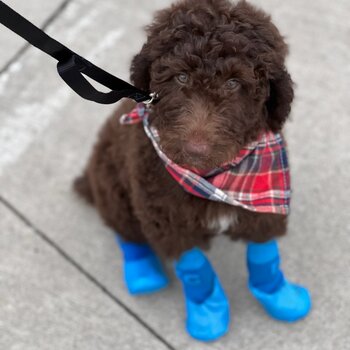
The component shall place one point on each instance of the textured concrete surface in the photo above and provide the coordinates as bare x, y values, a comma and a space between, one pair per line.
47, 303
41, 13
45, 136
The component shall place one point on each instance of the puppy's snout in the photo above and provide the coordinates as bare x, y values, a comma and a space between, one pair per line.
197, 147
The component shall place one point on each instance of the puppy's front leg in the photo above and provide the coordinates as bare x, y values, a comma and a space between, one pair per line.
207, 307
281, 299
143, 272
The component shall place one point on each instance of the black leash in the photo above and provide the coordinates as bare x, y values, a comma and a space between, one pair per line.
71, 66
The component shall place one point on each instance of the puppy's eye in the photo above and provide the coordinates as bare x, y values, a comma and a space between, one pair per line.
233, 84
182, 78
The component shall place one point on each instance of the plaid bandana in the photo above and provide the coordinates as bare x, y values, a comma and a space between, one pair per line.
257, 179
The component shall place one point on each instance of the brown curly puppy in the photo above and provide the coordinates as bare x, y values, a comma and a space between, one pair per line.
220, 73
219, 70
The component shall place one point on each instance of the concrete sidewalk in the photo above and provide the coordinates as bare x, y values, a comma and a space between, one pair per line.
60, 272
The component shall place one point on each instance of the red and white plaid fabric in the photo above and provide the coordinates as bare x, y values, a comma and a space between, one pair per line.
257, 179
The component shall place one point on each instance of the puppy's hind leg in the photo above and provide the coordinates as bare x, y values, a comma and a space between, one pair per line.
143, 273
207, 307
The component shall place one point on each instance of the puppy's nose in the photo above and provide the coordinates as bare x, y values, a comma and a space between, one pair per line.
198, 148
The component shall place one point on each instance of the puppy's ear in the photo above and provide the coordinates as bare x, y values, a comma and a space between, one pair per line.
140, 70
280, 99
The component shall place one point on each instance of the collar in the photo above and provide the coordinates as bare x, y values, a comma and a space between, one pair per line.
257, 179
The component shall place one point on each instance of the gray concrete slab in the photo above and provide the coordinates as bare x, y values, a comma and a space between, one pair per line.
48, 135
46, 303
38, 12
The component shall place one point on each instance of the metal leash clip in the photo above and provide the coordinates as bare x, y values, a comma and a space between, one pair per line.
153, 97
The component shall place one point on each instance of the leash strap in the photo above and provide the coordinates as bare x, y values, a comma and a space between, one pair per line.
71, 67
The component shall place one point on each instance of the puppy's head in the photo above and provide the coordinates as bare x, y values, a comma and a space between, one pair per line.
220, 74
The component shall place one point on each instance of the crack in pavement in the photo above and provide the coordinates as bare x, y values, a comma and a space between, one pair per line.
86, 274
26, 46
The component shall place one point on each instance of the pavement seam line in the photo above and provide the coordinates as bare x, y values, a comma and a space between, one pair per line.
85, 273
26, 46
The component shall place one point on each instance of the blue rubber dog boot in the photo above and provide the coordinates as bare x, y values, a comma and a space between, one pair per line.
289, 303
143, 272
207, 307
281, 299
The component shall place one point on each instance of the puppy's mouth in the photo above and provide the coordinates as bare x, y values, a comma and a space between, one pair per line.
198, 157
197, 148
196, 151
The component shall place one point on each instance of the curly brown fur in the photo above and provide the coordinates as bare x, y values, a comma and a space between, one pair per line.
219, 70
